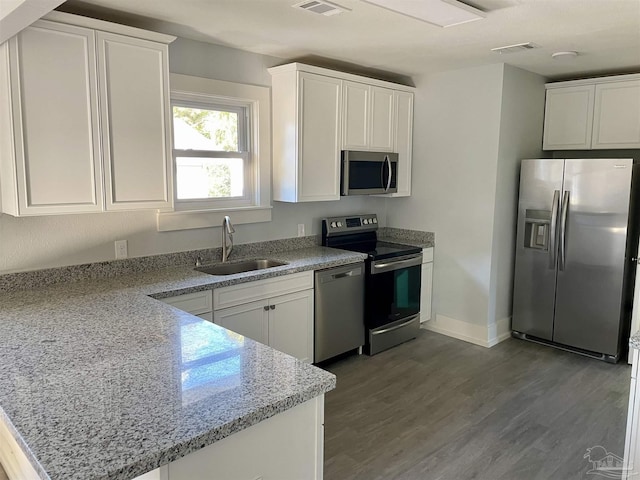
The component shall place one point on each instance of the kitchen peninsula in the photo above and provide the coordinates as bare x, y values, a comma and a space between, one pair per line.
100, 381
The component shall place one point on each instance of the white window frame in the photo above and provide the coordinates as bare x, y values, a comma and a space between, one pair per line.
191, 214
245, 114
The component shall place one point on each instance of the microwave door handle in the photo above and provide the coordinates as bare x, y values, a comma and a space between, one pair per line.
390, 177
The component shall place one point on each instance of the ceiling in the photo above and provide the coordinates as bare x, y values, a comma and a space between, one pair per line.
605, 33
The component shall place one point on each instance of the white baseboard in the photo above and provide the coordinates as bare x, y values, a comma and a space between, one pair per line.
483, 335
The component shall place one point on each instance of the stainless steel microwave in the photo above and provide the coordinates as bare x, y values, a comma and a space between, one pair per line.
366, 173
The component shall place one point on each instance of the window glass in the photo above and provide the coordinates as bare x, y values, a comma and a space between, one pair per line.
208, 177
210, 152
200, 129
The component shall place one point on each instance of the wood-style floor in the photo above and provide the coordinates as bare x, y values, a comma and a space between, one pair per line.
437, 408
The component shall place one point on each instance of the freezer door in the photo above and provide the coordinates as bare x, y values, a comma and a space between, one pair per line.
537, 247
591, 258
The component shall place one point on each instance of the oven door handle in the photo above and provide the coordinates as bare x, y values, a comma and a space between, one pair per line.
389, 266
395, 327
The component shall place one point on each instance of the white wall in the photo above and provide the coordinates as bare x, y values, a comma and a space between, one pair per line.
456, 132
41, 242
472, 127
522, 118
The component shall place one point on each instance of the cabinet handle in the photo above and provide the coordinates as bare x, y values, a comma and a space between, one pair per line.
266, 308
273, 307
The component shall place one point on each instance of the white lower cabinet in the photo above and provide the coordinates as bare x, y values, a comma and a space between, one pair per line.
198, 304
247, 319
631, 444
426, 284
277, 312
287, 446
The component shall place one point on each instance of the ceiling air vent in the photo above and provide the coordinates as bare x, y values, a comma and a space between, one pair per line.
321, 7
518, 47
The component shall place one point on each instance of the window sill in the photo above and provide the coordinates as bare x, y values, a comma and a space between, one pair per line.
188, 220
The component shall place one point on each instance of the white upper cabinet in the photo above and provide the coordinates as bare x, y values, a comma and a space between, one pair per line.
355, 135
568, 118
317, 113
403, 139
382, 128
137, 165
598, 113
73, 114
616, 122
368, 117
306, 136
55, 165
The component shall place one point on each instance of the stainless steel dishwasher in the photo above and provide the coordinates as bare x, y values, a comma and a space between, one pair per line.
339, 310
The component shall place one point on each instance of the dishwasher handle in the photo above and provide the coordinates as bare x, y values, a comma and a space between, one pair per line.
332, 275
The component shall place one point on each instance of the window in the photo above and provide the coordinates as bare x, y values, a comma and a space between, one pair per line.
211, 152
222, 153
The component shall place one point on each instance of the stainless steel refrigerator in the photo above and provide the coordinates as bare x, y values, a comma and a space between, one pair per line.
575, 235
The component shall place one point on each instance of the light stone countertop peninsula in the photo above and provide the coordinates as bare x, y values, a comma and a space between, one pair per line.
634, 341
100, 381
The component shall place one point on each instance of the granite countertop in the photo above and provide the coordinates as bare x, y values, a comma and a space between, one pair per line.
634, 340
100, 381
407, 237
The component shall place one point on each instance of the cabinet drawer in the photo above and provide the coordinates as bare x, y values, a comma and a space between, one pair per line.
427, 255
259, 290
196, 303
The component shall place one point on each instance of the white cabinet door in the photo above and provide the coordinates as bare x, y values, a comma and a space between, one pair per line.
368, 117
404, 141
135, 120
356, 118
319, 138
616, 122
249, 319
57, 154
291, 324
206, 316
382, 129
568, 118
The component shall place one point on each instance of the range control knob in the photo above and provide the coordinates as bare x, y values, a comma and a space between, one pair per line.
365, 221
340, 224
333, 224
374, 220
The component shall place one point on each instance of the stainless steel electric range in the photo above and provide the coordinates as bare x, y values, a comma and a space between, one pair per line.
392, 280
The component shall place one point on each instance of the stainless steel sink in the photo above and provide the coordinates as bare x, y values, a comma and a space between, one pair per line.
239, 267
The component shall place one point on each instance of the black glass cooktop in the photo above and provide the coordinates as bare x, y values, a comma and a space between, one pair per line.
379, 250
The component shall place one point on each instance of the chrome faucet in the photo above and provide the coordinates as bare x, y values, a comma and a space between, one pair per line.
227, 229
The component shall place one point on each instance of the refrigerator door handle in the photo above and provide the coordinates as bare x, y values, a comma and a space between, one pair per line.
553, 229
563, 229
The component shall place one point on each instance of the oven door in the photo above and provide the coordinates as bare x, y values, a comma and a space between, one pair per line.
393, 290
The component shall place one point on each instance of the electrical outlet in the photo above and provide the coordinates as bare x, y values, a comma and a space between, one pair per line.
121, 249
301, 229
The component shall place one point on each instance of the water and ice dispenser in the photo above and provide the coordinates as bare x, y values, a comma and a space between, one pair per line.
536, 229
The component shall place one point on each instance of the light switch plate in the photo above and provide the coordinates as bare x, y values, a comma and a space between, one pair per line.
301, 229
